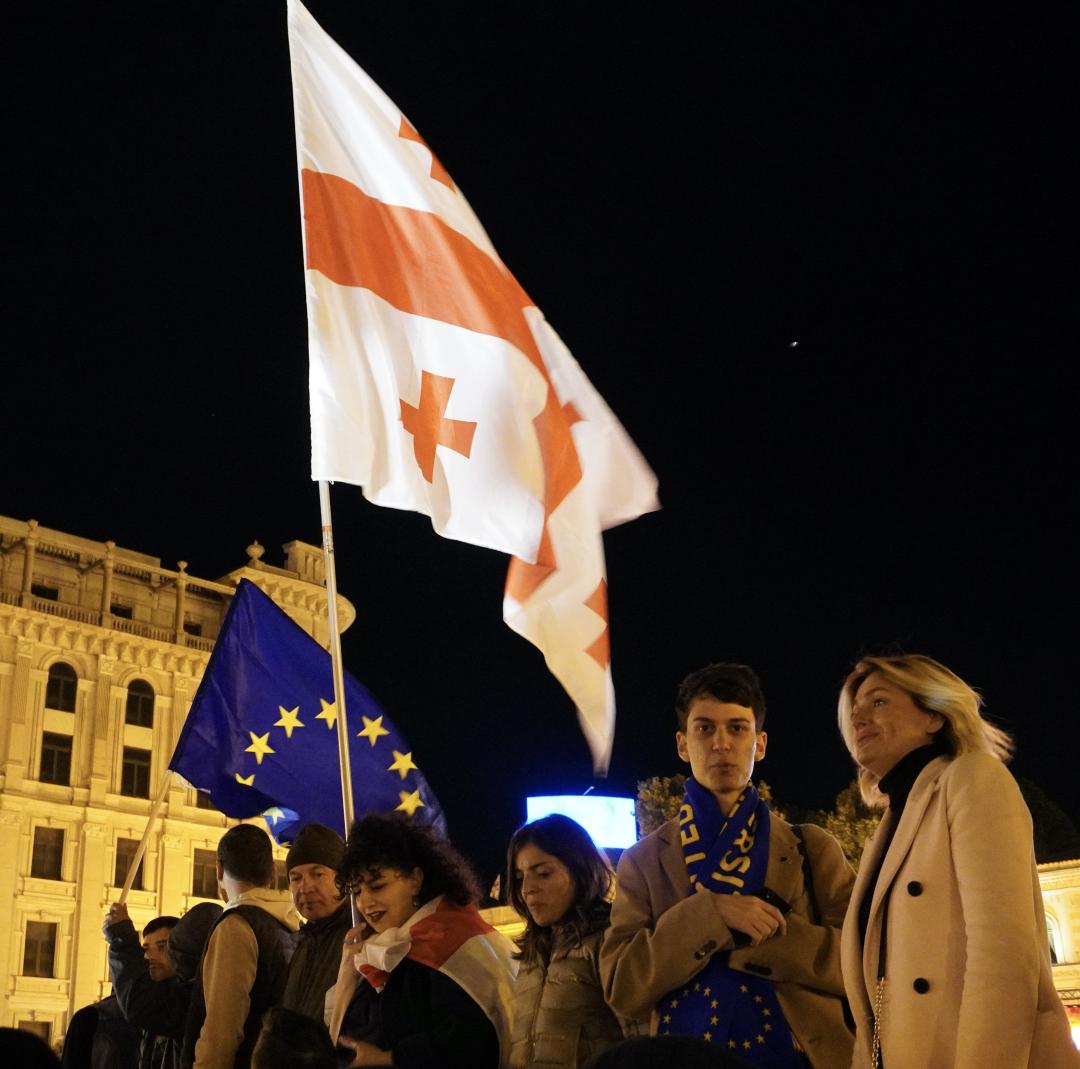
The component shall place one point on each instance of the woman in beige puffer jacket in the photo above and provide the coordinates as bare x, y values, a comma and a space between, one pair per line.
560, 885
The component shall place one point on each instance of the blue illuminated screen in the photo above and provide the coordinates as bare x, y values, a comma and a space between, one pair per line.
609, 820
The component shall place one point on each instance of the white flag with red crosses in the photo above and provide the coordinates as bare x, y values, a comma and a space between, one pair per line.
437, 385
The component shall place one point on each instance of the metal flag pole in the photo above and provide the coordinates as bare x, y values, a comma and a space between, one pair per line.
150, 820
347, 807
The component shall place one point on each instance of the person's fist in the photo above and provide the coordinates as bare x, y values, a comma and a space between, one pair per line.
117, 912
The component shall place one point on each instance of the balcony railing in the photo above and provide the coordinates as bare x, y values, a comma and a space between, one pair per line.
196, 642
115, 623
134, 627
68, 612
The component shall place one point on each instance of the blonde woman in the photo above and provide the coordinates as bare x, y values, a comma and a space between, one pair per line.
944, 951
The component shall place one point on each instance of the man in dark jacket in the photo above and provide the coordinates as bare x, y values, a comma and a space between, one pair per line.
312, 864
154, 994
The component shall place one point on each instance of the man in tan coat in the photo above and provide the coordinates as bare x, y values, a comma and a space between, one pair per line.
677, 930
243, 968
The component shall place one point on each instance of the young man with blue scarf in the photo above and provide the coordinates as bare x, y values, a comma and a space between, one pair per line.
726, 921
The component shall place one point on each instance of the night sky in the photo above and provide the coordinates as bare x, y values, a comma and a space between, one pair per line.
803, 252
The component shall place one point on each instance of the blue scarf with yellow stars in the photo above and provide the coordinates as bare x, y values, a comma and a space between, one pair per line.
731, 1010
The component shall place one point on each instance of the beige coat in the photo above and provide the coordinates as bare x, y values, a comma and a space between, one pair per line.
661, 935
968, 982
560, 1016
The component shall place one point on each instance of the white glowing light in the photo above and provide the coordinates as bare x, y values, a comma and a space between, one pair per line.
608, 819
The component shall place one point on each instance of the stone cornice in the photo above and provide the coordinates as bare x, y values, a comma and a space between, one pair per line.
292, 592
29, 626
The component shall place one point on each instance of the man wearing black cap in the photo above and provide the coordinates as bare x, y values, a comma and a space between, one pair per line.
312, 864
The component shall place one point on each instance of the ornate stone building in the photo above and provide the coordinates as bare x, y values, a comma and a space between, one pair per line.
1060, 883
101, 652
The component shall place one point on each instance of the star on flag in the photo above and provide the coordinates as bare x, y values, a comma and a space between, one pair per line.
372, 729
402, 765
259, 746
329, 713
289, 720
410, 802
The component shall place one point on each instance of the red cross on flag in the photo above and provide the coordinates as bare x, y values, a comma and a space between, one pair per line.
437, 385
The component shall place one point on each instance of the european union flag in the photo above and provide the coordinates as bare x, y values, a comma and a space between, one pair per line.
261, 736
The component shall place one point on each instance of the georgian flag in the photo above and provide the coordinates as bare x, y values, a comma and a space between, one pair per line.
436, 384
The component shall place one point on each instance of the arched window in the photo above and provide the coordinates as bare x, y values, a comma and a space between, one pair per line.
60, 690
140, 704
1054, 932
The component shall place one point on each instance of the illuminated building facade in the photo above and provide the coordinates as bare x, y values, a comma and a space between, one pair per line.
101, 652
1060, 883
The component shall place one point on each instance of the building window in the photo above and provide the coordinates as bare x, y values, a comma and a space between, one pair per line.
202, 801
46, 593
204, 874
1054, 935
48, 856
39, 952
125, 854
125, 612
135, 773
140, 704
61, 687
41, 1029
192, 628
55, 758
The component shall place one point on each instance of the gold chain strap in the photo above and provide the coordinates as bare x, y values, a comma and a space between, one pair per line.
879, 999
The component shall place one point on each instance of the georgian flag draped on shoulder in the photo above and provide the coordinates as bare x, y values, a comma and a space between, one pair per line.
438, 386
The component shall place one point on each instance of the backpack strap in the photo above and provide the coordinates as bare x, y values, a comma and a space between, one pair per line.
808, 876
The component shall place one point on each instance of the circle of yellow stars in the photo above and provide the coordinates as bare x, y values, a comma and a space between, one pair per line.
715, 1020
289, 721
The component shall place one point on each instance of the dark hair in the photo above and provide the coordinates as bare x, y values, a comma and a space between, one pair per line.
245, 854
289, 1039
29, 1051
392, 840
187, 939
590, 870
158, 923
733, 683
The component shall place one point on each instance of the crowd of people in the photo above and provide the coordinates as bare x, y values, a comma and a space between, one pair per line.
728, 937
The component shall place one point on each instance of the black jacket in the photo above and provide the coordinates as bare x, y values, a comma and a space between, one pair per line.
98, 1037
425, 1020
314, 967
158, 1007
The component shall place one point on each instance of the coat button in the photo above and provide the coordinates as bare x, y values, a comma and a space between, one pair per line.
921, 985
706, 950
914, 888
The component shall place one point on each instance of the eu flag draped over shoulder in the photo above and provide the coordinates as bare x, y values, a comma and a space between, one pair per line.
261, 735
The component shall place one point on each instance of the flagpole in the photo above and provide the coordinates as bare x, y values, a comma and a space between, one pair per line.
137, 859
347, 807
